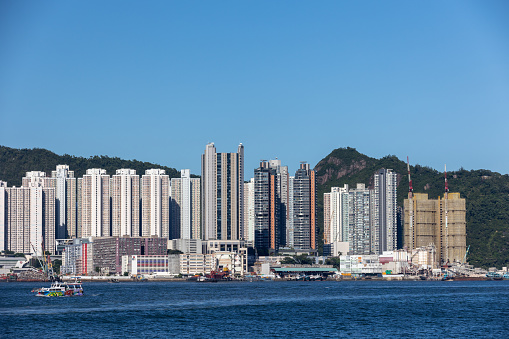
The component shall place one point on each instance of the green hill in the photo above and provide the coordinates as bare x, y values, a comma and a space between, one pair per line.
14, 163
486, 194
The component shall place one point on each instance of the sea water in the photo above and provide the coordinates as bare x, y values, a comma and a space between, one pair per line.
260, 309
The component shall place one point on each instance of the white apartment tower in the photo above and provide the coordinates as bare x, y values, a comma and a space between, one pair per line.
64, 183
27, 216
185, 207
249, 211
3, 216
222, 192
155, 198
41, 212
95, 203
335, 216
125, 203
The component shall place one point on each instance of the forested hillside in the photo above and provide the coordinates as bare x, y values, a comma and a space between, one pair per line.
14, 163
486, 194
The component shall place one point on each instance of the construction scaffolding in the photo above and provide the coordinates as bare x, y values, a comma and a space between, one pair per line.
429, 225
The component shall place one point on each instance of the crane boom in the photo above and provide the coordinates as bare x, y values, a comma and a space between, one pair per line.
446, 198
410, 207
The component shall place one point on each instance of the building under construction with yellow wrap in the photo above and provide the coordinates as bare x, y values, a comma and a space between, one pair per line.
440, 222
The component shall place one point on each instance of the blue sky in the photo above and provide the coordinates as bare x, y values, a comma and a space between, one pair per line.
157, 80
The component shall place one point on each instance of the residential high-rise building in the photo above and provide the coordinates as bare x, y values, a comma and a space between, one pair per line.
28, 215
222, 192
41, 209
64, 183
304, 206
266, 209
249, 211
359, 220
430, 225
335, 215
289, 221
36, 179
3, 216
185, 207
385, 217
283, 183
95, 203
125, 203
155, 198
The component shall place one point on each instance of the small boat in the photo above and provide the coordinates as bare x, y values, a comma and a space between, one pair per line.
494, 276
113, 280
60, 289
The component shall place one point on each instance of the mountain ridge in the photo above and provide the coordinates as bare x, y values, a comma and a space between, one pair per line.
486, 192
14, 163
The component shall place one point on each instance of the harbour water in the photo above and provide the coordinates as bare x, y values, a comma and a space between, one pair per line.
260, 309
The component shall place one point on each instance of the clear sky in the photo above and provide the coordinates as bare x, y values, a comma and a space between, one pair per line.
157, 80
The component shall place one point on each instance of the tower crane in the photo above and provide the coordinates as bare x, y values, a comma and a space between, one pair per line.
410, 206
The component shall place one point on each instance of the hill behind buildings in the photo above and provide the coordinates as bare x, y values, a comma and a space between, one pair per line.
14, 163
486, 194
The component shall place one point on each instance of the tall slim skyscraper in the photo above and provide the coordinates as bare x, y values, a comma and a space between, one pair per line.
155, 199
125, 203
336, 225
385, 219
304, 206
185, 207
95, 203
289, 221
249, 212
222, 194
64, 183
3, 216
359, 219
266, 209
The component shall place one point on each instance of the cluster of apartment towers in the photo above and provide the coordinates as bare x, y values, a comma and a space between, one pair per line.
272, 211
219, 205
364, 221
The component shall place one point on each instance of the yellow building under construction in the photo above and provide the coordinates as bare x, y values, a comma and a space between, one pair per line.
440, 222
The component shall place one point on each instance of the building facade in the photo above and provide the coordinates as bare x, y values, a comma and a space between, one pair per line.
385, 216
249, 211
304, 207
108, 251
222, 194
440, 222
125, 203
95, 203
155, 199
185, 207
64, 183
